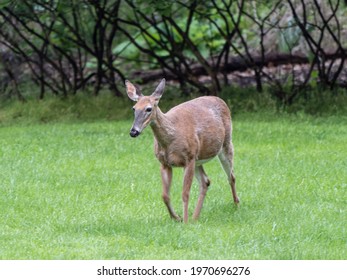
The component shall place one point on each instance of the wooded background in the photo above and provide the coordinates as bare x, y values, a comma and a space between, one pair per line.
66, 47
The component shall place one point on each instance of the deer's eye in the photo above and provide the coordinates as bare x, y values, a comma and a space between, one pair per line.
149, 109
133, 108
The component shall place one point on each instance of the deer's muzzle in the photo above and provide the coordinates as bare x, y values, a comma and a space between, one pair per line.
134, 132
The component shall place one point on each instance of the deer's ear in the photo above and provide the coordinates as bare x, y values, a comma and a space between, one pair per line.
133, 92
159, 90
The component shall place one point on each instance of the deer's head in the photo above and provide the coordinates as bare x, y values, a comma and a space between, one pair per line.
145, 107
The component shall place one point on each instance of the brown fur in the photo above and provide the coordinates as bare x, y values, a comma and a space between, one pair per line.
186, 136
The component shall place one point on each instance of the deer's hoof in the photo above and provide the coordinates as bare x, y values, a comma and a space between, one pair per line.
236, 201
177, 219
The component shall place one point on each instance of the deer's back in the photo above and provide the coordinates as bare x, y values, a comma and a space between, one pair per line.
202, 113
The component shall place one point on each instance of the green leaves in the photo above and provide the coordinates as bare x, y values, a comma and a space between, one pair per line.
290, 36
5, 3
126, 49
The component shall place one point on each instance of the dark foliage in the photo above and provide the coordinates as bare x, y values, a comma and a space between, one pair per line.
70, 46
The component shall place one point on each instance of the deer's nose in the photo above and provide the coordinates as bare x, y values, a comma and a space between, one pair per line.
134, 132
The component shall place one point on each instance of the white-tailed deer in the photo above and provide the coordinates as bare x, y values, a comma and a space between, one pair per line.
187, 136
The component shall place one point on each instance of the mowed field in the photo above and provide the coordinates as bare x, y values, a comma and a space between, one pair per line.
89, 191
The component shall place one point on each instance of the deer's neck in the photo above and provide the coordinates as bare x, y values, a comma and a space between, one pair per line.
163, 128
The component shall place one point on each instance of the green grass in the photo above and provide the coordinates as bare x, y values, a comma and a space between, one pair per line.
86, 190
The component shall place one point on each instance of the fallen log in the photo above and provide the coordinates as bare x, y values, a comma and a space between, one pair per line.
233, 64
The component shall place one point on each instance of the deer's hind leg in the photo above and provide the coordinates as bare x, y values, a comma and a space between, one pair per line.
204, 183
226, 157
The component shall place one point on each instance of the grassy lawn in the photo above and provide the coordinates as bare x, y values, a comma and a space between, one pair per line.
89, 191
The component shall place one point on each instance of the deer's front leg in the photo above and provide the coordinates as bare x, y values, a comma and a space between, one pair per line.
166, 176
187, 183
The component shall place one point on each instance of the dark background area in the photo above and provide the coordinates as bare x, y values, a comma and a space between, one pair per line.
289, 49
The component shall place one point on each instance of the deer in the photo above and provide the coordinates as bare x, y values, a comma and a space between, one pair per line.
187, 136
